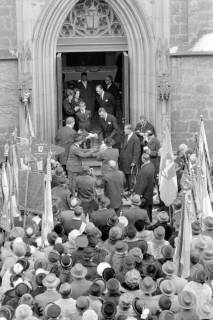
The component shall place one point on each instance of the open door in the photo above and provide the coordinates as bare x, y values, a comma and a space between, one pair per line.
59, 88
126, 108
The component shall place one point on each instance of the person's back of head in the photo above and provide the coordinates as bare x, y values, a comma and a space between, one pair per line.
70, 121
65, 290
78, 211
108, 142
139, 225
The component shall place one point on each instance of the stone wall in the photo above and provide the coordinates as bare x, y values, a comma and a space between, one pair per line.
178, 22
9, 102
8, 35
192, 96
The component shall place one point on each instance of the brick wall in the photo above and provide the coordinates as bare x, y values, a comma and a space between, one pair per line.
8, 36
8, 95
192, 95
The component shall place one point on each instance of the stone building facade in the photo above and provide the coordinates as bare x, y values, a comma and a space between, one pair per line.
170, 62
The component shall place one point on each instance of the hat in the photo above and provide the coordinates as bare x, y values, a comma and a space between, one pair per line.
88, 253
81, 241
199, 244
113, 286
121, 247
133, 277
101, 267
163, 216
164, 302
23, 311
199, 276
207, 254
148, 285
196, 228
108, 273
78, 271
82, 303
19, 249
31, 228
66, 261
137, 254
125, 300
52, 310
123, 220
159, 233
208, 223
169, 268
151, 270
101, 282
59, 247
21, 289
51, 281
65, 288
205, 311
41, 264
24, 262
73, 235
39, 278
53, 256
78, 211
112, 220
167, 287
209, 269
138, 305
17, 232
129, 261
108, 310
6, 312
167, 315
27, 299
186, 299
115, 233
143, 245
136, 200
95, 289
167, 251
89, 315
51, 238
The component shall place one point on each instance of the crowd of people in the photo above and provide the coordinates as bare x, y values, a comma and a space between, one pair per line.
110, 256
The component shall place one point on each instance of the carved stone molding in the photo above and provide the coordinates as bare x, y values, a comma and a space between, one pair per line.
91, 18
164, 87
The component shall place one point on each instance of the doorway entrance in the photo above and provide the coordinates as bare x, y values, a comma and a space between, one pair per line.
98, 66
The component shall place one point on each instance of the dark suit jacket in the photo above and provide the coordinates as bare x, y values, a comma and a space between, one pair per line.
145, 182
113, 89
113, 187
130, 153
108, 102
84, 120
154, 146
88, 95
65, 138
105, 156
109, 128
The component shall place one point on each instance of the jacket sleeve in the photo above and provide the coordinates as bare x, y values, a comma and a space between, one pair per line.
115, 127
141, 183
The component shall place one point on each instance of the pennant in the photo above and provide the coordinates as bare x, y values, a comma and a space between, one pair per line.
47, 218
167, 175
5, 214
183, 242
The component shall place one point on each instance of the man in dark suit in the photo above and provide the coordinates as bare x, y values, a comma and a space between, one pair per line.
105, 99
113, 186
65, 138
113, 89
87, 92
145, 184
109, 127
141, 128
153, 150
129, 155
83, 117
106, 154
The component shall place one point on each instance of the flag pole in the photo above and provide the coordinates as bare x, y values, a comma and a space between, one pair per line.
27, 185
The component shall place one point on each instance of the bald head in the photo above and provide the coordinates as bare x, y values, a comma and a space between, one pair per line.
112, 164
70, 121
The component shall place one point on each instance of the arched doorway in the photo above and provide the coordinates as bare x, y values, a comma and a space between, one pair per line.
141, 62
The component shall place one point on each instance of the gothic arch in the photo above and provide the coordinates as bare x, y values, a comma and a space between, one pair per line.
141, 52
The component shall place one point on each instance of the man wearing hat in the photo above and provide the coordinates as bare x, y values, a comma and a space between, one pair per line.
74, 222
85, 188
135, 213
79, 285
113, 291
168, 289
81, 243
145, 184
169, 269
74, 161
125, 305
95, 301
88, 263
155, 245
148, 286
66, 303
51, 294
187, 302
163, 220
